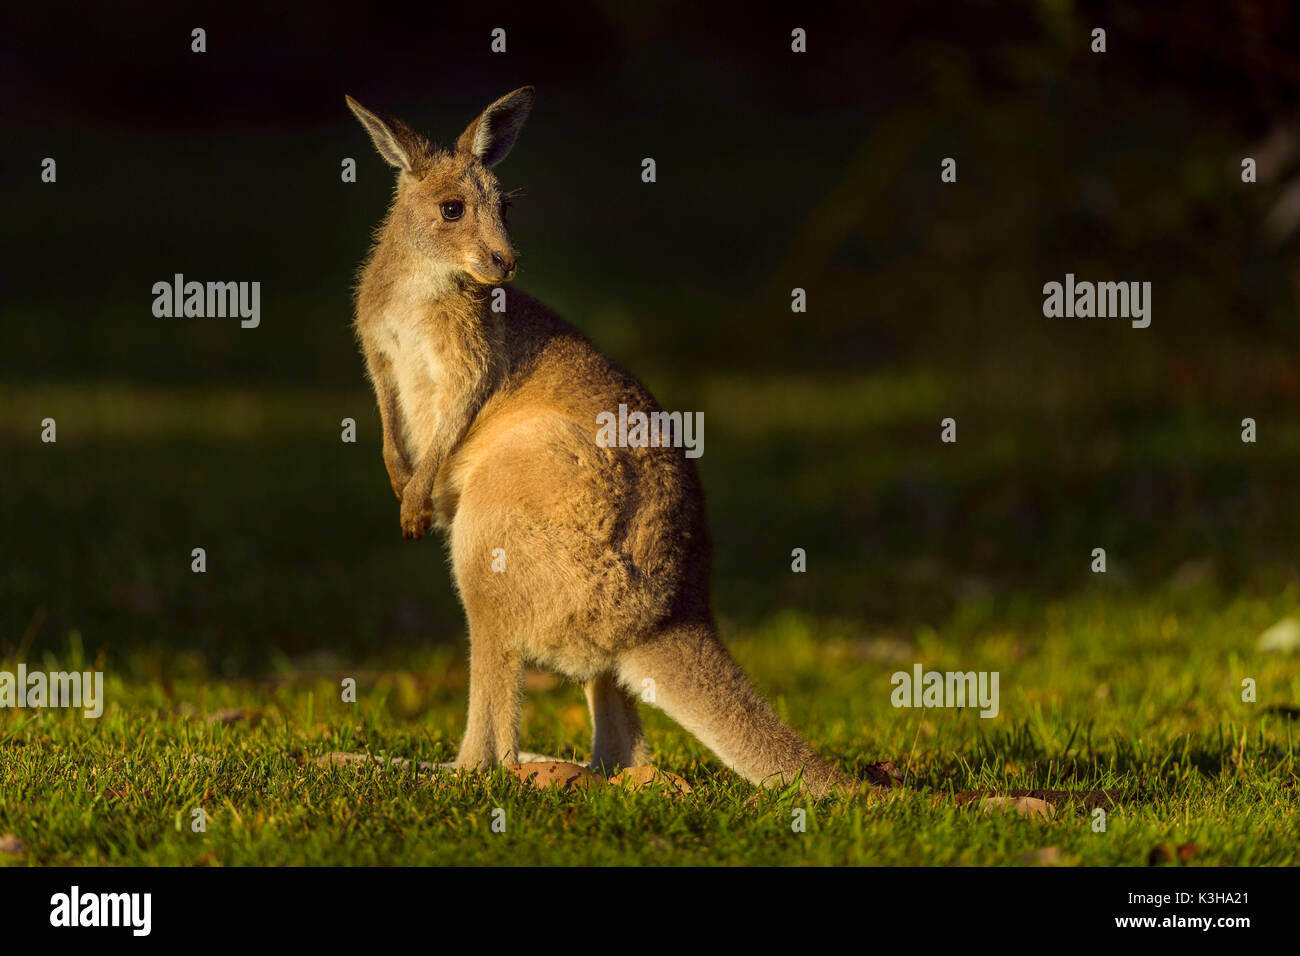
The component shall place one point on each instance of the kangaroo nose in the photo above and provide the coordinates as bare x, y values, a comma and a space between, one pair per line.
504, 262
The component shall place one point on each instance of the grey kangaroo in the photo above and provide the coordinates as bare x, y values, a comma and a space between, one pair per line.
490, 434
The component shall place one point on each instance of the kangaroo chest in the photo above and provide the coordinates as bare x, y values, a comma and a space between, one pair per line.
444, 360
421, 374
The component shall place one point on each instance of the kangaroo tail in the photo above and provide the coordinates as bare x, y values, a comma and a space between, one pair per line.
696, 682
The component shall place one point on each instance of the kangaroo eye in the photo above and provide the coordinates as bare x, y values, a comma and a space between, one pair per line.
452, 210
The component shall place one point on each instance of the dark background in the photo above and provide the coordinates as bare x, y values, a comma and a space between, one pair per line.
775, 170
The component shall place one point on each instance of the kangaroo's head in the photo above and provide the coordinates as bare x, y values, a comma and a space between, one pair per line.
449, 205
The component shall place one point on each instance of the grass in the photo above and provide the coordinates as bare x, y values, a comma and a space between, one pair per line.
1162, 722
966, 557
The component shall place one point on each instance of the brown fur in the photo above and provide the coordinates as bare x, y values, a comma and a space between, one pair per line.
489, 424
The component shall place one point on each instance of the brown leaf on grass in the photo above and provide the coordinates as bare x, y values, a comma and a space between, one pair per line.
566, 776
540, 773
1043, 856
1164, 853
1087, 799
11, 844
883, 773
231, 715
339, 758
1030, 807
638, 778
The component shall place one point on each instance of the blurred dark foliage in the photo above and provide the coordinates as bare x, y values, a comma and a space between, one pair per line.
775, 171
127, 66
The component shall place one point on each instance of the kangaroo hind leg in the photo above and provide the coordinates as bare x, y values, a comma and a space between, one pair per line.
617, 738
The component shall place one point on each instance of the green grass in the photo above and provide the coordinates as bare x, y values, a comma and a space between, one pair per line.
1157, 717
966, 557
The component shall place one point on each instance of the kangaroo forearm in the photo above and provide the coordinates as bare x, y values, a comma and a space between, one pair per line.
393, 451
447, 436
417, 495
452, 425
390, 420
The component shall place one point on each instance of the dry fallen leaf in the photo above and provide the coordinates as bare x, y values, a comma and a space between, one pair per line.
1030, 807
538, 770
883, 773
566, 776
1043, 856
11, 844
640, 777
1085, 799
339, 759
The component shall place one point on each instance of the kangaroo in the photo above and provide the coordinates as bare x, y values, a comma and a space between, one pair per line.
490, 434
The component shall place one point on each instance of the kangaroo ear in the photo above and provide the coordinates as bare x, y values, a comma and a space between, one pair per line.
491, 136
396, 141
